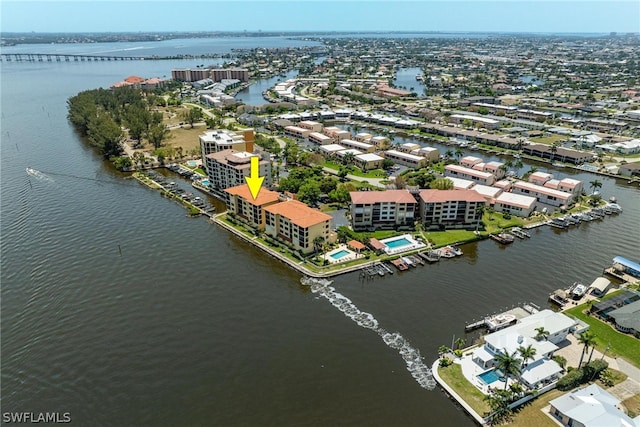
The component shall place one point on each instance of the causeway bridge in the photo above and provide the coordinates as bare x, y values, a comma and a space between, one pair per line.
66, 57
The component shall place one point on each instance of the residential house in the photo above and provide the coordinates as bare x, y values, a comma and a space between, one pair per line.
542, 194
477, 176
515, 204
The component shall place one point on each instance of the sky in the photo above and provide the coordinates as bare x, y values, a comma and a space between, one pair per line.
541, 16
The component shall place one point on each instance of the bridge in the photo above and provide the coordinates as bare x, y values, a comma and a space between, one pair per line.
65, 57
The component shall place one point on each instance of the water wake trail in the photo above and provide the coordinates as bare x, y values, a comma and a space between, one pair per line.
39, 175
414, 361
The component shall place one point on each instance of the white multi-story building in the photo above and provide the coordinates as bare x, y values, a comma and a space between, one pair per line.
405, 159
542, 194
214, 141
480, 177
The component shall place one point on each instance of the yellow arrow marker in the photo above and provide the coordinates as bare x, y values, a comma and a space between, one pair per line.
255, 180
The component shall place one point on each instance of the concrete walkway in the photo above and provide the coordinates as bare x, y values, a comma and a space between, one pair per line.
626, 389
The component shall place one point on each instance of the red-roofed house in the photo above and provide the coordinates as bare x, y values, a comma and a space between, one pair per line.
242, 203
371, 210
297, 224
450, 208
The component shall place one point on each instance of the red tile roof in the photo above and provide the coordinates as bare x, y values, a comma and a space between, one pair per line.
134, 79
371, 197
265, 196
442, 196
298, 213
376, 244
356, 245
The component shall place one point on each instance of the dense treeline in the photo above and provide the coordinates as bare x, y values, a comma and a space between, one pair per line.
101, 114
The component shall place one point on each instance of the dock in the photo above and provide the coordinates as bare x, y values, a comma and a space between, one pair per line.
497, 321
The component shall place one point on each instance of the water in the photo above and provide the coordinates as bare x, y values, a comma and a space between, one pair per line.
406, 79
119, 309
340, 254
252, 95
396, 243
489, 377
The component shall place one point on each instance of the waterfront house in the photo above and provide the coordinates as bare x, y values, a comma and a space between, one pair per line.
362, 146
371, 210
297, 224
542, 369
336, 134
470, 161
563, 154
630, 169
540, 178
241, 203
297, 132
450, 208
590, 406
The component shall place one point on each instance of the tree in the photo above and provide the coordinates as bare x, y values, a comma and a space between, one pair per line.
541, 333
309, 193
106, 135
318, 244
460, 342
527, 353
449, 154
348, 158
518, 165
192, 115
509, 364
387, 164
595, 184
400, 182
441, 184
157, 134
554, 149
479, 213
587, 339
459, 152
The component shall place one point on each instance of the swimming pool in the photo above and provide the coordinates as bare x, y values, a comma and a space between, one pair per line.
192, 163
205, 182
340, 254
490, 377
398, 243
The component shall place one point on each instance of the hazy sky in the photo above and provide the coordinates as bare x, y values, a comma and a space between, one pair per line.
346, 15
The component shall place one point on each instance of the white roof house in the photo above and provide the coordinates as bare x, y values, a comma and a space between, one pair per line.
591, 407
541, 369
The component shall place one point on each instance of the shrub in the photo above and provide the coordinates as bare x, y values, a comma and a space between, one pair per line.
444, 362
571, 380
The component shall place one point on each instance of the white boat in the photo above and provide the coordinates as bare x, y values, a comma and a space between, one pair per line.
614, 207
499, 321
578, 290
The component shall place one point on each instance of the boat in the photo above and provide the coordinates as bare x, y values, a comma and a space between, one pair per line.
408, 261
499, 321
446, 252
559, 296
416, 259
577, 290
503, 238
386, 267
431, 256
519, 232
571, 220
586, 217
455, 250
557, 164
614, 207
559, 223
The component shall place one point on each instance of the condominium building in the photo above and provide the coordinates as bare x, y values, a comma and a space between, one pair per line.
368, 161
362, 146
297, 224
241, 202
320, 139
405, 159
297, 132
215, 74
480, 177
228, 168
311, 125
214, 141
450, 208
336, 133
372, 210
515, 204
542, 194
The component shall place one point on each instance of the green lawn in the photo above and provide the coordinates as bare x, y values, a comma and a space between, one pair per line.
452, 375
621, 345
375, 173
443, 238
549, 140
531, 415
495, 222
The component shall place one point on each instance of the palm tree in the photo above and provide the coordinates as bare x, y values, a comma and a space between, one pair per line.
479, 212
554, 149
508, 164
595, 184
460, 342
459, 152
509, 364
449, 154
542, 333
518, 165
318, 243
348, 158
527, 353
588, 339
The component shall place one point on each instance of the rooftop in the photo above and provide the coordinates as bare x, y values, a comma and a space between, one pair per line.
264, 196
442, 196
388, 196
298, 213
